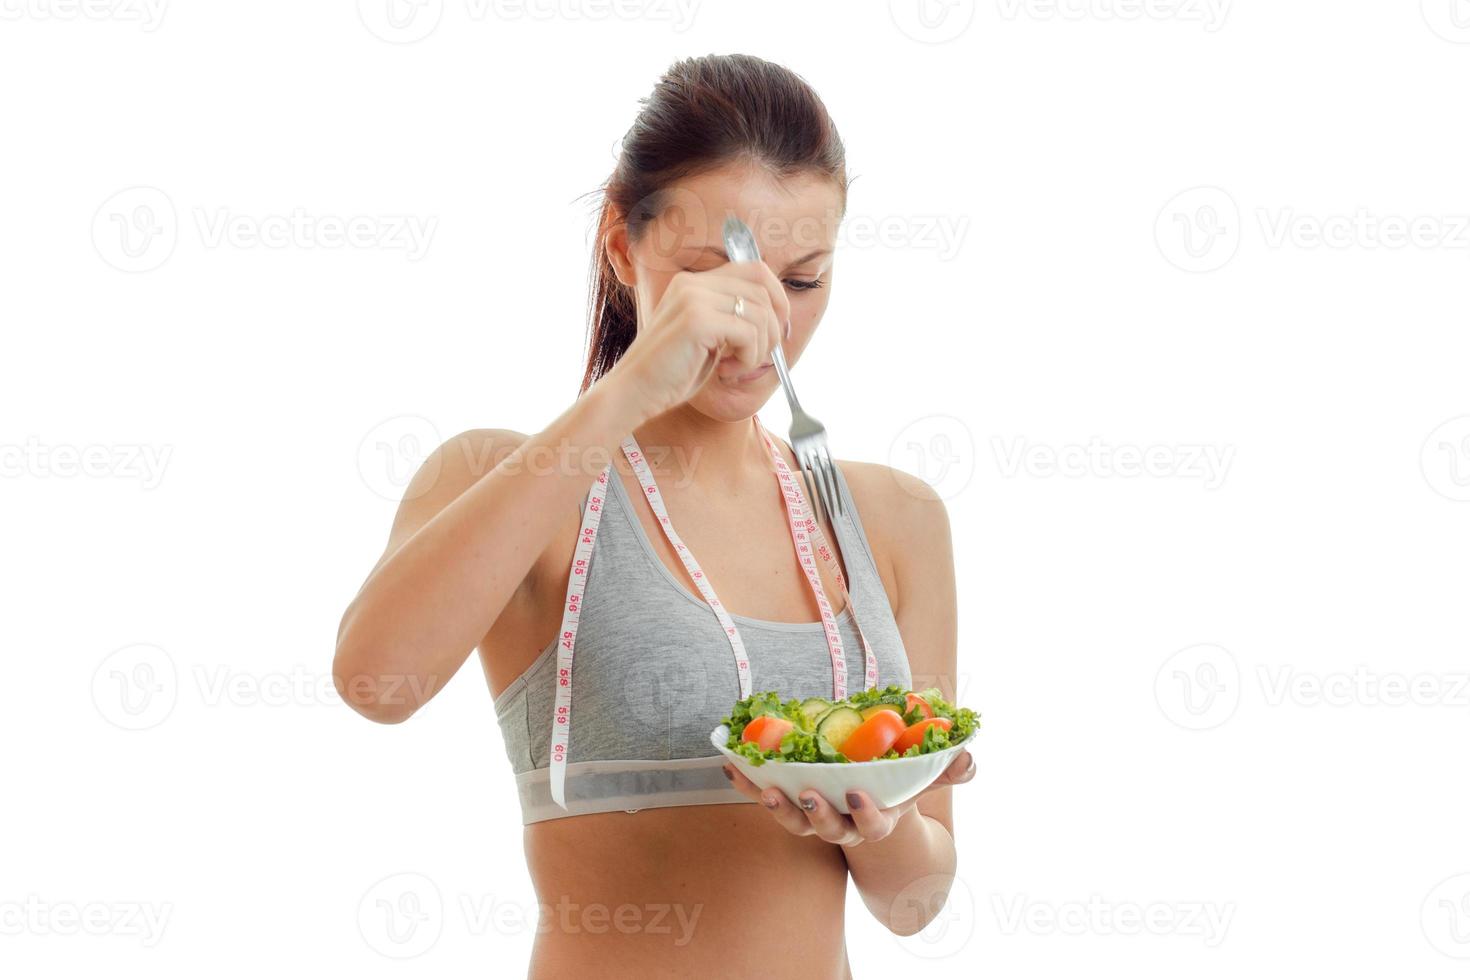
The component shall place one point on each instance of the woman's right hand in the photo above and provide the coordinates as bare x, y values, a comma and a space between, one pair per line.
694, 327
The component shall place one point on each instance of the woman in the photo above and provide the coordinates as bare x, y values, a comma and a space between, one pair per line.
499, 545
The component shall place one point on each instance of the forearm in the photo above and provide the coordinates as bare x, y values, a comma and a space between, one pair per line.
428, 603
905, 877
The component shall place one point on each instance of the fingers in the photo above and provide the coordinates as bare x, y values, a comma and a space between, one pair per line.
961, 769
750, 335
785, 812
830, 825
742, 785
778, 803
761, 274
759, 277
871, 823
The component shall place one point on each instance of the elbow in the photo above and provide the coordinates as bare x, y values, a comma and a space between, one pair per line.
909, 925
918, 905
378, 694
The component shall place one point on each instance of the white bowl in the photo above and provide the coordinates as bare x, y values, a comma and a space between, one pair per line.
888, 781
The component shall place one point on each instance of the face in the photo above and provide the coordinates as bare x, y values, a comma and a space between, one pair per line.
795, 222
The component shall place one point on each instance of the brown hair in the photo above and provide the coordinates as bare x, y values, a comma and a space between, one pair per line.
703, 113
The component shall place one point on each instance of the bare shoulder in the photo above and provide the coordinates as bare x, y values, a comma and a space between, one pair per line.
447, 472
906, 524
894, 504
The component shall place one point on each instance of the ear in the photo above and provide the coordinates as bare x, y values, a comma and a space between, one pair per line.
617, 246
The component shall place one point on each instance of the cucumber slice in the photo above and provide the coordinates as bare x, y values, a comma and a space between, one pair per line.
812, 710
827, 753
837, 724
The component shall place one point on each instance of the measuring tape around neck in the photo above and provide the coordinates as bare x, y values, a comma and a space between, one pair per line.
807, 538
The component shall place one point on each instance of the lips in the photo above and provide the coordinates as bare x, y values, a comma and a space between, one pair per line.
746, 376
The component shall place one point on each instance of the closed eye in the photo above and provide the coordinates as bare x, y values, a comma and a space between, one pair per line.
801, 285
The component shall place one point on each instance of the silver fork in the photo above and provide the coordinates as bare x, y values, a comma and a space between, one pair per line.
808, 436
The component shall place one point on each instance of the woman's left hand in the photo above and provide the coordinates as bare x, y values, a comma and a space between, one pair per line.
810, 813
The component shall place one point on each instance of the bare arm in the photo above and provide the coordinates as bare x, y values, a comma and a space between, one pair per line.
462, 544
905, 876
464, 541
902, 859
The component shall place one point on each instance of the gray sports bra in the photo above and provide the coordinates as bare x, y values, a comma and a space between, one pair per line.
654, 674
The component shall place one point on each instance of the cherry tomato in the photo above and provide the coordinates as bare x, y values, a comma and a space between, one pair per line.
914, 701
914, 734
766, 732
873, 737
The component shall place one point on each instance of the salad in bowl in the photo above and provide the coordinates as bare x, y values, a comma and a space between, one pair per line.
888, 742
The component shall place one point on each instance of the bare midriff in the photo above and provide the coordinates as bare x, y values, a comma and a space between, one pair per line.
687, 891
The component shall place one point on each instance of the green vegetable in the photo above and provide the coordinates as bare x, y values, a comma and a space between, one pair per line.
839, 723
812, 710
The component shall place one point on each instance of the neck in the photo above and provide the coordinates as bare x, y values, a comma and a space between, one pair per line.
699, 449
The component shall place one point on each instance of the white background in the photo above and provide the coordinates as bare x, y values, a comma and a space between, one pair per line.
1227, 698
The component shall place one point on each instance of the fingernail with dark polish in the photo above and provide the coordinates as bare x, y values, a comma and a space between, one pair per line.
728, 774
854, 802
809, 803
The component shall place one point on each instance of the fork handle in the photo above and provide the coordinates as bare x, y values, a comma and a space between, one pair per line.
778, 357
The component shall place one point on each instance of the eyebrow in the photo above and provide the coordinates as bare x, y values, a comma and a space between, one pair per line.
805, 258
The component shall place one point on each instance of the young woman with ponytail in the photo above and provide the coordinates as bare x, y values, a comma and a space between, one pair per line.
642, 865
